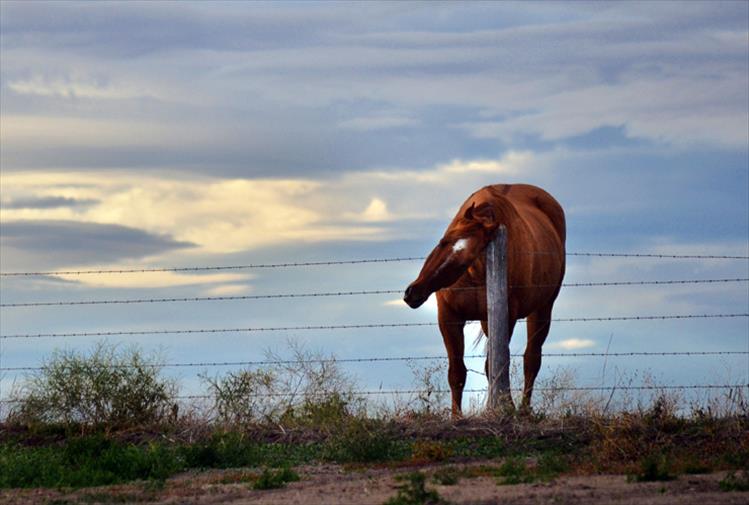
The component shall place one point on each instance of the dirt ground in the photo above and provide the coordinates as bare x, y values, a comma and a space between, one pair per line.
333, 484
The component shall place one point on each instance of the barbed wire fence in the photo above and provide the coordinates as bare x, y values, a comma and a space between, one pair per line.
375, 325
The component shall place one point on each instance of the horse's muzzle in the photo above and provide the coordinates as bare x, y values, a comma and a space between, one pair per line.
413, 298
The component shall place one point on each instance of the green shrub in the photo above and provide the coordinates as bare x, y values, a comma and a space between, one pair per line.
447, 476
307, 390
84, 461
655, 467
274, 479
109, 386
364, 440
243, 396
514, 471
735, 481
222, 450
414, 492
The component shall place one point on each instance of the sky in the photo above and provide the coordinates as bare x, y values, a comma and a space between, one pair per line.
165, 134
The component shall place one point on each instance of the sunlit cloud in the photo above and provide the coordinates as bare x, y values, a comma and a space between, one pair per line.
229, 215
74, 88
571, 344
159, 279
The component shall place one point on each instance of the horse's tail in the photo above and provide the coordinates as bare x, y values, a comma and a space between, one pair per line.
478, 338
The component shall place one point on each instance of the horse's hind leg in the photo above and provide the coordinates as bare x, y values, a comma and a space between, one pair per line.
538, 325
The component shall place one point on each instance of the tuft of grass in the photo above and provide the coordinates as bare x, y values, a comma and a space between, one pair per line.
413, 492
655, 467
274, 479
514, 471
446, 476
365, 441
735, 481
551, 464
430, 450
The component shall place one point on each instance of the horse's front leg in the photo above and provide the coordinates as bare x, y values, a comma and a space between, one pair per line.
451, 328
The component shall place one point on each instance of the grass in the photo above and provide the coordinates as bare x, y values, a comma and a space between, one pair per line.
103, 418
654, 467
413, 492
274, 479
735, 481
523, 452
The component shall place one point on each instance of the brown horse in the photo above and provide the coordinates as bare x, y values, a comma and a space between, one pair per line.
535, 269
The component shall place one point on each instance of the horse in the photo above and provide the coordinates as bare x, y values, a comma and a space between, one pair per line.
456, 271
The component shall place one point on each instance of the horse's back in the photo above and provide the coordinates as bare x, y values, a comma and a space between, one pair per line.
528, 200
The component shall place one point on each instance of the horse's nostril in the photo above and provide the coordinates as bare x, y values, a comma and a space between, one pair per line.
409, 289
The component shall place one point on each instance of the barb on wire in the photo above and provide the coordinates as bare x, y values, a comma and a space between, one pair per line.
261, 329
340, 262
207, 364
350, 293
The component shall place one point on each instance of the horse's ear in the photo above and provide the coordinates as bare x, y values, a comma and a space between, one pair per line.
469, 211
485, 215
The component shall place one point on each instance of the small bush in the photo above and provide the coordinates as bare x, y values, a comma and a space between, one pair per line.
274, 479
109, 386
551, 464
307, 389
363, 441
735, 481
447, 476
514, 471
430, 450
653, 468
243, 396
222, 450
414, 492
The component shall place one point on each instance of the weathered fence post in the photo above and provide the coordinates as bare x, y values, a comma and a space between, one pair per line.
498, 351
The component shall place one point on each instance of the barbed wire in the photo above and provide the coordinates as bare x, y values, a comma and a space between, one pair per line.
213, 364
343, 262
656, 387
349, 293
515, 390
349, 326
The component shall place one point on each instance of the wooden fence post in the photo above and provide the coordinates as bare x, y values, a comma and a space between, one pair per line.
498, 351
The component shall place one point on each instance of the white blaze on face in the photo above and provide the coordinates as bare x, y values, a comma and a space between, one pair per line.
460, 244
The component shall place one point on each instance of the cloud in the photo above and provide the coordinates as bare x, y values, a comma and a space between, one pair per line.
378, 122
50, 202
74, 88
162, 279
229, 215
376, 211
572, 344
228, 89
50, 243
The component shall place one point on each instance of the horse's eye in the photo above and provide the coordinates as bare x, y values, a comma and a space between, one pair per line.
443, 242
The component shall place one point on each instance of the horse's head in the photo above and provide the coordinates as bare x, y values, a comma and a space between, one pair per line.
462, 243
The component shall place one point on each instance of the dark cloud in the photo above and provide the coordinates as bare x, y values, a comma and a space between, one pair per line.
54, 244
51, 202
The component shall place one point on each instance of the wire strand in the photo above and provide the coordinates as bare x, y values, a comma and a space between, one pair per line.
444, 391
394, 358
349, 293
343, 262
347, 326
